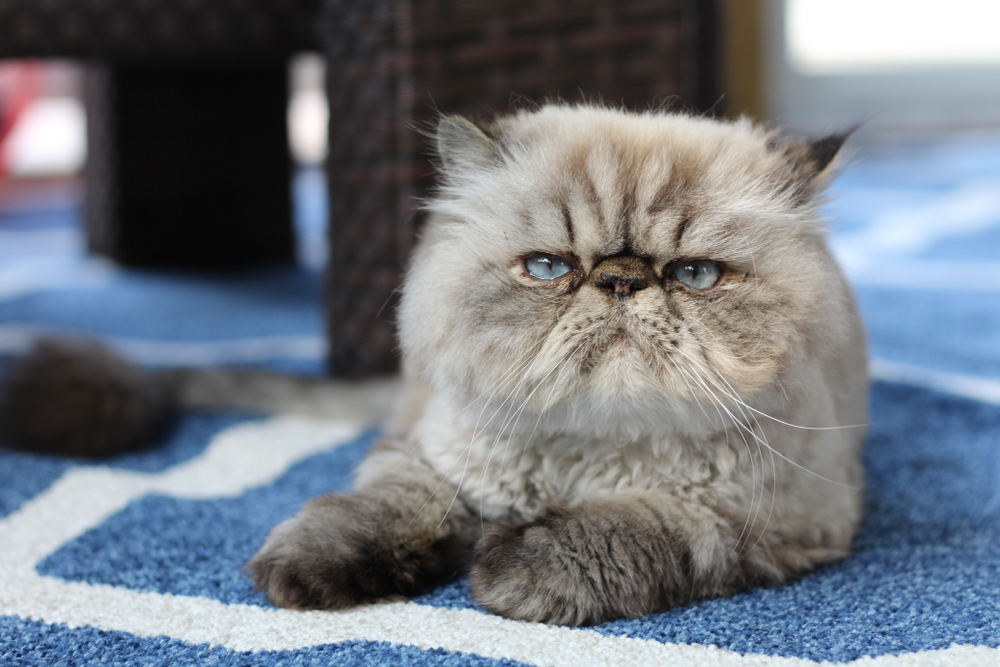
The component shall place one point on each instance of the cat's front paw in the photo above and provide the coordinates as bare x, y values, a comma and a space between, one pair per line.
319, 559
346, 549
539, 571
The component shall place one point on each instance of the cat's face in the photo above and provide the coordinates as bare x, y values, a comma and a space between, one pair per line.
619, 263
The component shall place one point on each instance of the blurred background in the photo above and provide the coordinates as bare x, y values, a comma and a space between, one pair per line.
900, 67
111, 137
43, 141
903, 68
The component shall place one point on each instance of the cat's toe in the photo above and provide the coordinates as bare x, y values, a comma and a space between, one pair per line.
317, 559
297, 577
526, 573
283, 584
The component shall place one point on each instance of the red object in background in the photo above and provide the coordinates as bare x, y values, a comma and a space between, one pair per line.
20, 84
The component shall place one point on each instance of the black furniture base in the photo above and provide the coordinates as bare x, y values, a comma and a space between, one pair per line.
188, 164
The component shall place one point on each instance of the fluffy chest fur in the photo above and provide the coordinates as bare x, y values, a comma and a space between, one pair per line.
512, 475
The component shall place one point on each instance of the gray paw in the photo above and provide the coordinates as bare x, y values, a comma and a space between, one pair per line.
342, 550
538, 572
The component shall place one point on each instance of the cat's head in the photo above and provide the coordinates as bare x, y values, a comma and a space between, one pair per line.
628, 266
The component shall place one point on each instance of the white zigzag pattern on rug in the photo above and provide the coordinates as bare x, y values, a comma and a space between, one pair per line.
250, 455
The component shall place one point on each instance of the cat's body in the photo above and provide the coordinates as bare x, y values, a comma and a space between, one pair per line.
634, 442
635, 378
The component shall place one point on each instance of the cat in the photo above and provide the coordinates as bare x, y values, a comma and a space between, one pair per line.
640, 378
635, 378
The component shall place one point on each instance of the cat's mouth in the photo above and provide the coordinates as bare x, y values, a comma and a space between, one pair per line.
621, 339
621, 346
618, 341
624, 352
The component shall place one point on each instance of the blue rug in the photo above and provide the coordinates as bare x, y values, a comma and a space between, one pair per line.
136, 561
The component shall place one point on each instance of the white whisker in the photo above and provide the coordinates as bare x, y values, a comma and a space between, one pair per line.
782, 456
748, 524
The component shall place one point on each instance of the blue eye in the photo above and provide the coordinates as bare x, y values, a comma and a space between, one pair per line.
547, 267
700, 274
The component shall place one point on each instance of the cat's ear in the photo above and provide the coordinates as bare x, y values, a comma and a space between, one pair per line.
811, 162
463, 145
822, 152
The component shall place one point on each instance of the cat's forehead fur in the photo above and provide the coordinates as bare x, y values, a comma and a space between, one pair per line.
602, 182
635, 138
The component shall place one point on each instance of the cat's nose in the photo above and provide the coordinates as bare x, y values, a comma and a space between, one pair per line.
623, 276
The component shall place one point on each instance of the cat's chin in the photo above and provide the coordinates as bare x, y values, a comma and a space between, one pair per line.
628, 417
620, 415
620, 398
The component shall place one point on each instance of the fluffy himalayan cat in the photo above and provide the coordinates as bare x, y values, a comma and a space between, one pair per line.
635, 378
633, 361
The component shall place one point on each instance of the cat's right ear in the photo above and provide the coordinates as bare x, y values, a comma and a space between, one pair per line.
463, 145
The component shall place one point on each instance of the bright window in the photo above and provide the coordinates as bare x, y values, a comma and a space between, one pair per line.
856, 36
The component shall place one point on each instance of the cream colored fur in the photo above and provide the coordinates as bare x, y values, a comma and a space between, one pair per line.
609, 455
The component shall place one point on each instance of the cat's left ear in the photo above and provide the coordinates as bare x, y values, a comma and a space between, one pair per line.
463, 145
812, 162
823, 152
